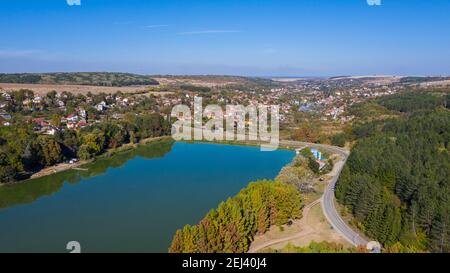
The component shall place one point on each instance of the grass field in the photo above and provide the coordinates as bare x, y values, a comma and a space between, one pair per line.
43, 89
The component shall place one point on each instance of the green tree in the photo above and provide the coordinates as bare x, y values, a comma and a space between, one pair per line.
231, 227
50, 150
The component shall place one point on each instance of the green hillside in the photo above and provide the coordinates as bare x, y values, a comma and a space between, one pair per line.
81, 78
396, 181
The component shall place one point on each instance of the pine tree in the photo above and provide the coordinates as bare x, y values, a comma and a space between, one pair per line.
440, 234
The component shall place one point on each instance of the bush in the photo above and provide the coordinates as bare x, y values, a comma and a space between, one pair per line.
339, 140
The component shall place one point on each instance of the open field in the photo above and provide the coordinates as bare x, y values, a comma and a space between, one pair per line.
211, 81
436, 83
165, 81
205, 82
380, 79
43, 89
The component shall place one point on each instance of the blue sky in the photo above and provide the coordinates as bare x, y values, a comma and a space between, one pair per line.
238, 37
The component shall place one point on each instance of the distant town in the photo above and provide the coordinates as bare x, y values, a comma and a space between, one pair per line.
328, 99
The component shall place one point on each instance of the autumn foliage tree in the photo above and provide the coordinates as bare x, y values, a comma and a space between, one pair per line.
231, 227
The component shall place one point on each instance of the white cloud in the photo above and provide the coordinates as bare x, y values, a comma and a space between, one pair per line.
210, 31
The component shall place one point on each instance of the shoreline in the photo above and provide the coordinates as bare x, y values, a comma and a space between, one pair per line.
62, 167
284, 144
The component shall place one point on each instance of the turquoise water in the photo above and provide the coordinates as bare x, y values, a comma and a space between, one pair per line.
131, 202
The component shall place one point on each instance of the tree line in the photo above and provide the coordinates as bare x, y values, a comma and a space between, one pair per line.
23, 151
396, 180
231, 227
80, 78
48, 185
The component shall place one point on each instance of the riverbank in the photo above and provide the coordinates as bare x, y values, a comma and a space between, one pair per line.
80, 165
139, 196
61, 167
283, 145
58, 168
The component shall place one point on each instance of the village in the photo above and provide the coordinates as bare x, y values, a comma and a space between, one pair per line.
328, 100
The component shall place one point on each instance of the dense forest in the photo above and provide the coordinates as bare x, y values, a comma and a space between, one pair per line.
231, 227
81, 78
193, 88
416, 80
413, 102
396, 180
23, 151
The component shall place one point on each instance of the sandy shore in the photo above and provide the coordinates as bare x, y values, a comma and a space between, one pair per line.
59, 168
65, 166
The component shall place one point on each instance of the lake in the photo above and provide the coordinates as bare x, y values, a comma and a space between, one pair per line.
133, 201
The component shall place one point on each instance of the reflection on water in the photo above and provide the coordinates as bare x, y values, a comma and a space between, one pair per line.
29, 191
133, 201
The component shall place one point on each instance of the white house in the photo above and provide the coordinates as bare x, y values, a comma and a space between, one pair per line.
37, 100
72, 118
101, 106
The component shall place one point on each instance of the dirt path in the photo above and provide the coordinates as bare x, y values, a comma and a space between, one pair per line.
306, 230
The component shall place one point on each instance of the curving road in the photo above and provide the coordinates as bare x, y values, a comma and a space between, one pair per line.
327, 201
333, 217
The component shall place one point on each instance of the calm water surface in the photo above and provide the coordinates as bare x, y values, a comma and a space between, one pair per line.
131, 202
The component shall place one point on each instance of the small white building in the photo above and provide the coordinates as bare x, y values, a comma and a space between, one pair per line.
37, 100
72, 118
101, 106
82, 113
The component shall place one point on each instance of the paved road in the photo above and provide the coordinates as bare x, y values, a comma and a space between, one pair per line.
334, 218
328, 205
